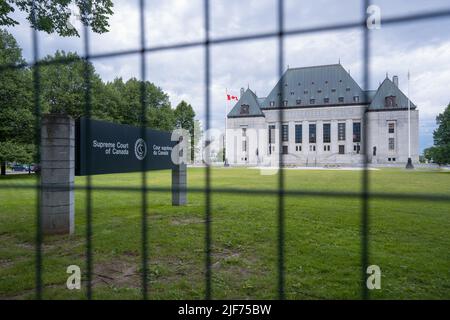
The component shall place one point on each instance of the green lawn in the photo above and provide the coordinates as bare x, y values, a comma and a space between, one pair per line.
409, 239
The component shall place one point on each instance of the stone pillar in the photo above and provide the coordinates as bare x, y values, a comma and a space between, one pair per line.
57, 174
179, 183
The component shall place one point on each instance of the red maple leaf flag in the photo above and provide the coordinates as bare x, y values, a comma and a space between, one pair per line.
230, 97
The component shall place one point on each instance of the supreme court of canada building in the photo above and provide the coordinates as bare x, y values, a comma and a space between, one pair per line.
323, 109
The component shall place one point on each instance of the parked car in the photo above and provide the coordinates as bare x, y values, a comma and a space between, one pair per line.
19, 168
36, 168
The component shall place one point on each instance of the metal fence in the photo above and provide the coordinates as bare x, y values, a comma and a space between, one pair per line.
364, 194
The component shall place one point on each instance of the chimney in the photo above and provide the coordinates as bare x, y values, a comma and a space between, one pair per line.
242, 92
395, 80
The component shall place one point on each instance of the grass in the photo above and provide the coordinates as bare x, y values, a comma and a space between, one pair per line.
409, 239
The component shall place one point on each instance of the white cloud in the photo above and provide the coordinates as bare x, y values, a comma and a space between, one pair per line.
423, 48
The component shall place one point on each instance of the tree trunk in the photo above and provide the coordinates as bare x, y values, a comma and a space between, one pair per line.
3, 170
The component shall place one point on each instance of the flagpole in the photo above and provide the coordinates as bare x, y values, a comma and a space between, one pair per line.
409, 164
225, 135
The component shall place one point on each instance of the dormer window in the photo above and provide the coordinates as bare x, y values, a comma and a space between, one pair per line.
298, 101
347, 89
245, 109
292, 93
390, 102
319, 91
305, 92
341, 99
312, 101
333, 90
326, 100
272, 103
356, 98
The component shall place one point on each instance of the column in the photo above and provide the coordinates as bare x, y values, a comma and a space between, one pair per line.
57, 174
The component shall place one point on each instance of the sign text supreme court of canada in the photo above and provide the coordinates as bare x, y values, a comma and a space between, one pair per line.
118, 148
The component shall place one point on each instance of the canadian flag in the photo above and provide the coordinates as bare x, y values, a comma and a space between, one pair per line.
230, 97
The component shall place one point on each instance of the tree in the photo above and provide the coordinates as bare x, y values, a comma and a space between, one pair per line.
440, 152
159, 114
184, 119
16, 115
54, 15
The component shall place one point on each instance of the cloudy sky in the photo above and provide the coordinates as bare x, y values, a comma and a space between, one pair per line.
421, 47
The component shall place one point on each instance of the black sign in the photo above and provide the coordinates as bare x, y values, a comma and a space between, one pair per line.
118, 148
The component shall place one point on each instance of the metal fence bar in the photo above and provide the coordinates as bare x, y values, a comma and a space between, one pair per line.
267, 35
88, 109
365, 172
280, 15
208, 236
364, 195
144, 163
269, 192
37, 141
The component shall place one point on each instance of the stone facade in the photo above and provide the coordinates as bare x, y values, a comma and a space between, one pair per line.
383, 111
57, 174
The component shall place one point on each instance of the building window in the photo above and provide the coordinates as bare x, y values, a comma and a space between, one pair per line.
298, 101
393, 159
298, 133
356, 132
391, 127
391, 144
292, 93
312, 101
347, 89
312, 148
326, 147
298, 148
341, 99
389, 159
272, 134
357, 148
333, 90
244, 146
326, 100
390, 102
356, 98
272, 103
319, 91
285, 103
305, 92
285, 149
341, 131
244, 132
285, 132
326, 132
312, 133
341, 149
244, 109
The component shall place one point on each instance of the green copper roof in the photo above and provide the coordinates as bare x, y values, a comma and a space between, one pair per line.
248, 99
318, 86
312, 86
386, 89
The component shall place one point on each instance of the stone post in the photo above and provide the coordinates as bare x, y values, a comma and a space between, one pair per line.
179, 185
57, 174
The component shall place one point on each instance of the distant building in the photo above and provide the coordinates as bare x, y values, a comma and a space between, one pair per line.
323, 109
